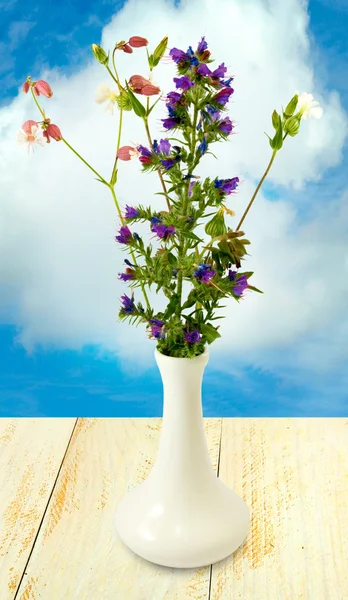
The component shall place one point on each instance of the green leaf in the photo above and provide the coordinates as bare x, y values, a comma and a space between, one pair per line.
209, 332
154, 104
251, 287
137, 106
191, 300
114, 177
102, 181
171, 308
150, 59
190, 235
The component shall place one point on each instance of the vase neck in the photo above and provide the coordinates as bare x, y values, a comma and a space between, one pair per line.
183, 446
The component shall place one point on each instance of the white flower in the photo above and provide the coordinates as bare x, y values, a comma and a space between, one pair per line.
30, 134
309, 107
105, 94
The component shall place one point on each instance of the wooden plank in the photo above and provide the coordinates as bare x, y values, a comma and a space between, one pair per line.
78, 554
293, 473
31, 452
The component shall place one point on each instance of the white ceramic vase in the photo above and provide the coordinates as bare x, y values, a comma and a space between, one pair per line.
182, 515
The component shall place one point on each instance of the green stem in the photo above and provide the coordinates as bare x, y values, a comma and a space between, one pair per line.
257, 189
84, 161
67, 144
182, 249
123, 221
37, 104
146, 123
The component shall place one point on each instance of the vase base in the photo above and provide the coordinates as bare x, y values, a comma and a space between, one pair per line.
188, 531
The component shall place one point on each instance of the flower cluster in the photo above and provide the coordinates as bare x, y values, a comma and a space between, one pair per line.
196, 108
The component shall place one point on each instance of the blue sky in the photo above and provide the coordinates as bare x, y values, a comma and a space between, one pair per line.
66, 382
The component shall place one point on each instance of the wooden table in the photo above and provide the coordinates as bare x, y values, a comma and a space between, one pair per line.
62, 479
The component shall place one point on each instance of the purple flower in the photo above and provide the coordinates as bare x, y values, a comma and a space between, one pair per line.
203, 69
163, 231
177, 55
183, 83
202, 46
127, 276
128, 304
212, 110
156, 221
226, 185
144, 151
223, 96
157, 329
155, 146
130, 212
202, 148
170, 123
241, 283
190, 192
128, 262
173, 97
204, 273
227, 82
168, 163
220, 71
181, 57
164, 146
192, 337
125, 235
225, 125
191, 56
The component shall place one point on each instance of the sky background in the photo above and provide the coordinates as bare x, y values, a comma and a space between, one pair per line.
62, 351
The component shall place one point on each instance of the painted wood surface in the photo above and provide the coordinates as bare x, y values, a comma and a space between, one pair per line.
293, 473
78, 555
31, 453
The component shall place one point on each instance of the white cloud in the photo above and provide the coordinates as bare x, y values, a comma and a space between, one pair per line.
59, 261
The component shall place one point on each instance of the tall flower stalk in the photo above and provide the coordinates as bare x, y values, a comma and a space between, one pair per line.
196, 115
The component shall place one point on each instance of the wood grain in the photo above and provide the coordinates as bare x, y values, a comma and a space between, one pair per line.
293, 474
78, 555
31, 452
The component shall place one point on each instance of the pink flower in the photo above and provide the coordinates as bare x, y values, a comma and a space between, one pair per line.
127, 153
42, 87
53, 132
25, 87
126, 48
137, 42
29, 134
143, 86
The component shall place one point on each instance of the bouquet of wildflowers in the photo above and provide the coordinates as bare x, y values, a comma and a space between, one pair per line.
197, 117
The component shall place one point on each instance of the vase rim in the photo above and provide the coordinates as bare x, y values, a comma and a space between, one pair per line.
165, 356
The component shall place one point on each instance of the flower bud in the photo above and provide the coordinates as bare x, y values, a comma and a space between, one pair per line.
137, 42
275, 119
54, 132
216, 226
291, 107
100, 54
292, 126
159, 51
42, 87
123, 100
25, 87
126, 48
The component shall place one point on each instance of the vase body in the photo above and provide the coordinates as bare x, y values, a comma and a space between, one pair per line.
182, 515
